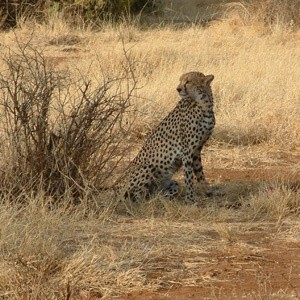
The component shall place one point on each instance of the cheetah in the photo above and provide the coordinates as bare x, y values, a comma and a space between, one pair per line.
177, 141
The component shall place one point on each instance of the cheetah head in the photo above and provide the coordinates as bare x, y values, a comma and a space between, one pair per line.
195, 85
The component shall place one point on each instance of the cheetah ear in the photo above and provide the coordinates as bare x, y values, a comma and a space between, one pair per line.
208, 79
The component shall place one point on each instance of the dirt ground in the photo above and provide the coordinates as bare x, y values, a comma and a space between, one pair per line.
257, 264
242, 272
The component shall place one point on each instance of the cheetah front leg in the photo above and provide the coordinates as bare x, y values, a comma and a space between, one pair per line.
199, 173
188, 177
197, 166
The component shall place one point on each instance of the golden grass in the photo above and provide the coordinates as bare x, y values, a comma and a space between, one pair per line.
104, 248
65, 251
256, 73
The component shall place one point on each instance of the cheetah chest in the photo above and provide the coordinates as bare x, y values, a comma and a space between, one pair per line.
196, 129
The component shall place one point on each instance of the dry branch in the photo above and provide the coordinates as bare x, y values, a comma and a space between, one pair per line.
79, 147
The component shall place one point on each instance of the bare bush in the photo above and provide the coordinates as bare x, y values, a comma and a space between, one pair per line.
60, 135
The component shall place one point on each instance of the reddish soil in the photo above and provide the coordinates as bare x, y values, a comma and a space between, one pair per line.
242, 272
257, 266
252, 175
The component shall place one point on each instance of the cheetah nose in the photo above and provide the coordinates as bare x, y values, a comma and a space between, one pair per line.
179, 89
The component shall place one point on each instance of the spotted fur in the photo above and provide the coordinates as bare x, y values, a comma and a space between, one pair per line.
177, 141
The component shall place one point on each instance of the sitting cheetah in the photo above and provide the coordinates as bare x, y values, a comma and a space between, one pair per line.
177, 141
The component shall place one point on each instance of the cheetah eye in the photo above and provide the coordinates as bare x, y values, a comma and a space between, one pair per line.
188, 81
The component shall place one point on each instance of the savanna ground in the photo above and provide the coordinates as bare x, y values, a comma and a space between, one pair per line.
242, 244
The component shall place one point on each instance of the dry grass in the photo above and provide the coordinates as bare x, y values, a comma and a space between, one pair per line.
65, 251
269, 13
104, 248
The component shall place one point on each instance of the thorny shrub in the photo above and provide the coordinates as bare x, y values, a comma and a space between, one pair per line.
60, 135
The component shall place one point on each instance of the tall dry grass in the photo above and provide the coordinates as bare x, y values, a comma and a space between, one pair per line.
104, 248
256, 77
271, 14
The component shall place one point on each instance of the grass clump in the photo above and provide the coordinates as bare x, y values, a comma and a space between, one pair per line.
89, 12
268, 13
276, 201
